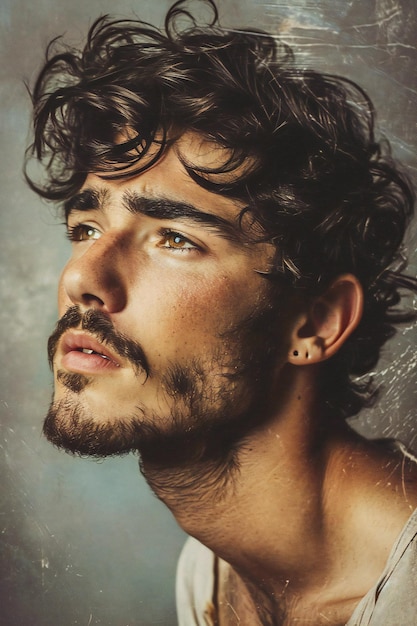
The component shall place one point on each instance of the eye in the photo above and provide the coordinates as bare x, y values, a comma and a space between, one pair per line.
82, 232
175, 241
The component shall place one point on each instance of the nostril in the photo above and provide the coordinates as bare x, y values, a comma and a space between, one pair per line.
89, 298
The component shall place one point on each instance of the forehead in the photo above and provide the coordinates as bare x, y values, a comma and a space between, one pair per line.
168, 179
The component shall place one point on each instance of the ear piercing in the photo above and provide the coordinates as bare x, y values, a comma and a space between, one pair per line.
296, 353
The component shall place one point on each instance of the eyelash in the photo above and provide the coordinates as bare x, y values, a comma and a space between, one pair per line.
167, 234
80, 232
75, 233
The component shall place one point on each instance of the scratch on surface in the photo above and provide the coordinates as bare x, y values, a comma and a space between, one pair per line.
403, 479
234, 612
409, 455
296, 39
289, 25
405, 88
344, 46
383, 20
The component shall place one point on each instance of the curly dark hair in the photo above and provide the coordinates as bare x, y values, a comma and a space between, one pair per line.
322, 189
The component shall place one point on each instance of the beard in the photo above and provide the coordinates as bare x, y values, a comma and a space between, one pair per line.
207, 417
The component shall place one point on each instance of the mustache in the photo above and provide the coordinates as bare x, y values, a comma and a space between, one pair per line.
99, 325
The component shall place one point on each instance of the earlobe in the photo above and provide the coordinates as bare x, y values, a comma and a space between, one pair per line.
332, 317
308, 350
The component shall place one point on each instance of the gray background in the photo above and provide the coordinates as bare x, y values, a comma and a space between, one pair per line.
85, 542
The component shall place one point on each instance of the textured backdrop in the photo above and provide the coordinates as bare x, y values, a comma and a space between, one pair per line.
84, 542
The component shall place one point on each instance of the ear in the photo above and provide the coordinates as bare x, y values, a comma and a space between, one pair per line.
332, 317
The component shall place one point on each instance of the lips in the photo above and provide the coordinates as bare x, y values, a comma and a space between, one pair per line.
82, 353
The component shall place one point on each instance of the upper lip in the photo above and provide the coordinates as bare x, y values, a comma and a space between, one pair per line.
81, 340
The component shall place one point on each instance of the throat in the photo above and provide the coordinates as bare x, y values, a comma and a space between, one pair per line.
190, 467
189, 488
244, 602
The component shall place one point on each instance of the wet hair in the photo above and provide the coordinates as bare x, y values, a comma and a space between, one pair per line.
323, 190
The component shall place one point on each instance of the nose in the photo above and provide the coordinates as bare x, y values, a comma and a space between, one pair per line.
94, 278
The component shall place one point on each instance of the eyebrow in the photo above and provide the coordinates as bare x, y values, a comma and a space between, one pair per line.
86, 200
158, 208
167, 209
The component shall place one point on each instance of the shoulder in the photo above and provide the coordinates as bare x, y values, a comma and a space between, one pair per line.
394, 597
196, 584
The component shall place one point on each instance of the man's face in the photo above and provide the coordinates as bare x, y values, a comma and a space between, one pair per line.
174, 332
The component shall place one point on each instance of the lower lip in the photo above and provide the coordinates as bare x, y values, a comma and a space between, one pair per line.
84, 363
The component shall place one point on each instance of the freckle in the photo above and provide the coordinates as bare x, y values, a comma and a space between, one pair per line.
298, 397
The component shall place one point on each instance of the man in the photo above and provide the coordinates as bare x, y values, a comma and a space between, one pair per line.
234, 227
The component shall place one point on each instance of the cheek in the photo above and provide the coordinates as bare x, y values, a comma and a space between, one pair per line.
62, 297
194, 311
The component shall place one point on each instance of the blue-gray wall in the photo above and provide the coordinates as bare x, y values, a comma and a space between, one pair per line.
85, 543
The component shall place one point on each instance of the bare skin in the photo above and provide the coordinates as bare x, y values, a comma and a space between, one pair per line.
304, 536
306, 516
336, 567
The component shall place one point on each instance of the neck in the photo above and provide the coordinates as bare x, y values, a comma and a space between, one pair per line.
286, 506
268, 485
